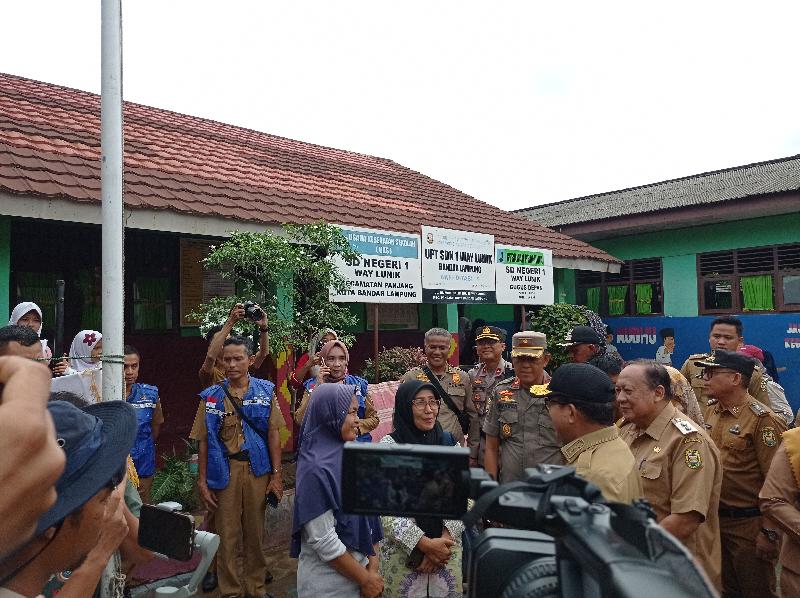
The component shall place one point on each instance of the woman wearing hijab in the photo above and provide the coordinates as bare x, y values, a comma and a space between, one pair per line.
333, 369
86, 351
308, 365
420, 557
338, 553
29, 314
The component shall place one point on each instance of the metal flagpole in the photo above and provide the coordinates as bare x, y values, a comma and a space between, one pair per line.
111, 144
376, 343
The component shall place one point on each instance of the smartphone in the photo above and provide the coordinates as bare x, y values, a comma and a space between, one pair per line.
272, 500
406, 480
170, 533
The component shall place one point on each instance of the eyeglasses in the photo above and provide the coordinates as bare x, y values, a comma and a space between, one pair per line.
548, 401
709, 373
422, 403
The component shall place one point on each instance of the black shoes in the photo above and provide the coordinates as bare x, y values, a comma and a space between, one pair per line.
209, 581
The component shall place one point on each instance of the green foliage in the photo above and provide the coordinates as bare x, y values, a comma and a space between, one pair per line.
393, 363
555, 321
175, 482
298, 262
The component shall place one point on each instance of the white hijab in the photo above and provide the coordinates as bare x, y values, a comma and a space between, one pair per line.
80, 352
23, 308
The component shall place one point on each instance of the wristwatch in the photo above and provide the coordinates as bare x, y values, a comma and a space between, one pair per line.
771, 534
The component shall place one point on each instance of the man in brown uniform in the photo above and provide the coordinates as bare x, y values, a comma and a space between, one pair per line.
747, 434
726, 333
580, 399
492, 369
780, 501
678, 463
454, 381
519, 431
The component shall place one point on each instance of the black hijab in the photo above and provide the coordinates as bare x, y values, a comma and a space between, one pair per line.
405, 432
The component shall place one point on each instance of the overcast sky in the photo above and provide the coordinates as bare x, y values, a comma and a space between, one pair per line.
517, 103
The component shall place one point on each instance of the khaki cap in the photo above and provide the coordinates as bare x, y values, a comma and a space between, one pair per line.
528, 344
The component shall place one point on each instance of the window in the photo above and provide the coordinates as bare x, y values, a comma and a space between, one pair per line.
152, 304
635, 290
755, 279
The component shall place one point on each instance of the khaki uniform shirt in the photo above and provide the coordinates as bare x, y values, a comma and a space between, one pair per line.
681, 472
602, 458
757, 388
747, 438
455, 382
526, 432
780, 501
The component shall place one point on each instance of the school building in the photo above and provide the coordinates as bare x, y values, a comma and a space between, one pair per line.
189, 182
722, 242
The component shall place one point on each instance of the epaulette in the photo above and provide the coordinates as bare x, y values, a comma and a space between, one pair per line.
698, 356
756, 408
711, 402
510, 380
763, 384
684, 426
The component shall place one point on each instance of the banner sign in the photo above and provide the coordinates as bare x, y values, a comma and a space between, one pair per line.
388, 270
524, 276
457, 266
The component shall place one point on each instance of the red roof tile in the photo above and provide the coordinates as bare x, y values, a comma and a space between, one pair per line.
50, 146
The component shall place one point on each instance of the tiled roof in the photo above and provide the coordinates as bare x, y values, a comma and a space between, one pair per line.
740, 182
50, 147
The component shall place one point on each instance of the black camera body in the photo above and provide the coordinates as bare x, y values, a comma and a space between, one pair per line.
252, 311
552, 534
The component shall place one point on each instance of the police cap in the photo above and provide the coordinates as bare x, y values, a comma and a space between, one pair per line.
731, 360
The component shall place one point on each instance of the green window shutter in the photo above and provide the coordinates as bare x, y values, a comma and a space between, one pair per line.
152, 306
644, 298
757, 293
593, 299
616, 300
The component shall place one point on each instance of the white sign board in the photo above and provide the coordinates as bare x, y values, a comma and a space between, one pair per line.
524, 275
457, 266
388, 270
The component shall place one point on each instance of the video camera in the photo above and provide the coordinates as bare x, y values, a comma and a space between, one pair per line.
561, 537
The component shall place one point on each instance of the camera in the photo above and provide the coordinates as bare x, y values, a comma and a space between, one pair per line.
559, 537
252, 311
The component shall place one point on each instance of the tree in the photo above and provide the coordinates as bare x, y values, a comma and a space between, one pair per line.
558, 319
290, 275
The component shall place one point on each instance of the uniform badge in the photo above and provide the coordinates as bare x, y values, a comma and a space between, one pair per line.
423, 377
769, 437
505, 396
693, 459
539, 390
707, 426
506, 431
456, 378
735, 429
656, 449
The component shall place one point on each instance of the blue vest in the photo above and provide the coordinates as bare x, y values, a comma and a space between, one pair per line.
256, 405
361, 394
144, 399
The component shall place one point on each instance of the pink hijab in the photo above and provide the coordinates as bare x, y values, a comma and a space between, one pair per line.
326, 349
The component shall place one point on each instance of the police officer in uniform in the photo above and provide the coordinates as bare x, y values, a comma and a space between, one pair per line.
144, 398
580, 399
452, 380
492, 368
238, 469
518, 428
747, 434
780, 501
726, 333
678, 463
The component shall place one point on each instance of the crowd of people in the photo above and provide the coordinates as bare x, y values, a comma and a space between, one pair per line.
708, 446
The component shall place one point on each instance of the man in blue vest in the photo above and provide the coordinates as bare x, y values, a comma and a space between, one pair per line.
144, 399
240, 465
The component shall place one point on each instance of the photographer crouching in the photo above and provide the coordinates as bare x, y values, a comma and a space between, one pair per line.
86, 524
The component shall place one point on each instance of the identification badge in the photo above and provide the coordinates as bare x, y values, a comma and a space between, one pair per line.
506, 431
769, 437
693, 459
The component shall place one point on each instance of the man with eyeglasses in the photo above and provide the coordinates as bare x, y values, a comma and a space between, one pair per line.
726, 333
747, 433
492, 368
580, 399
518, 428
